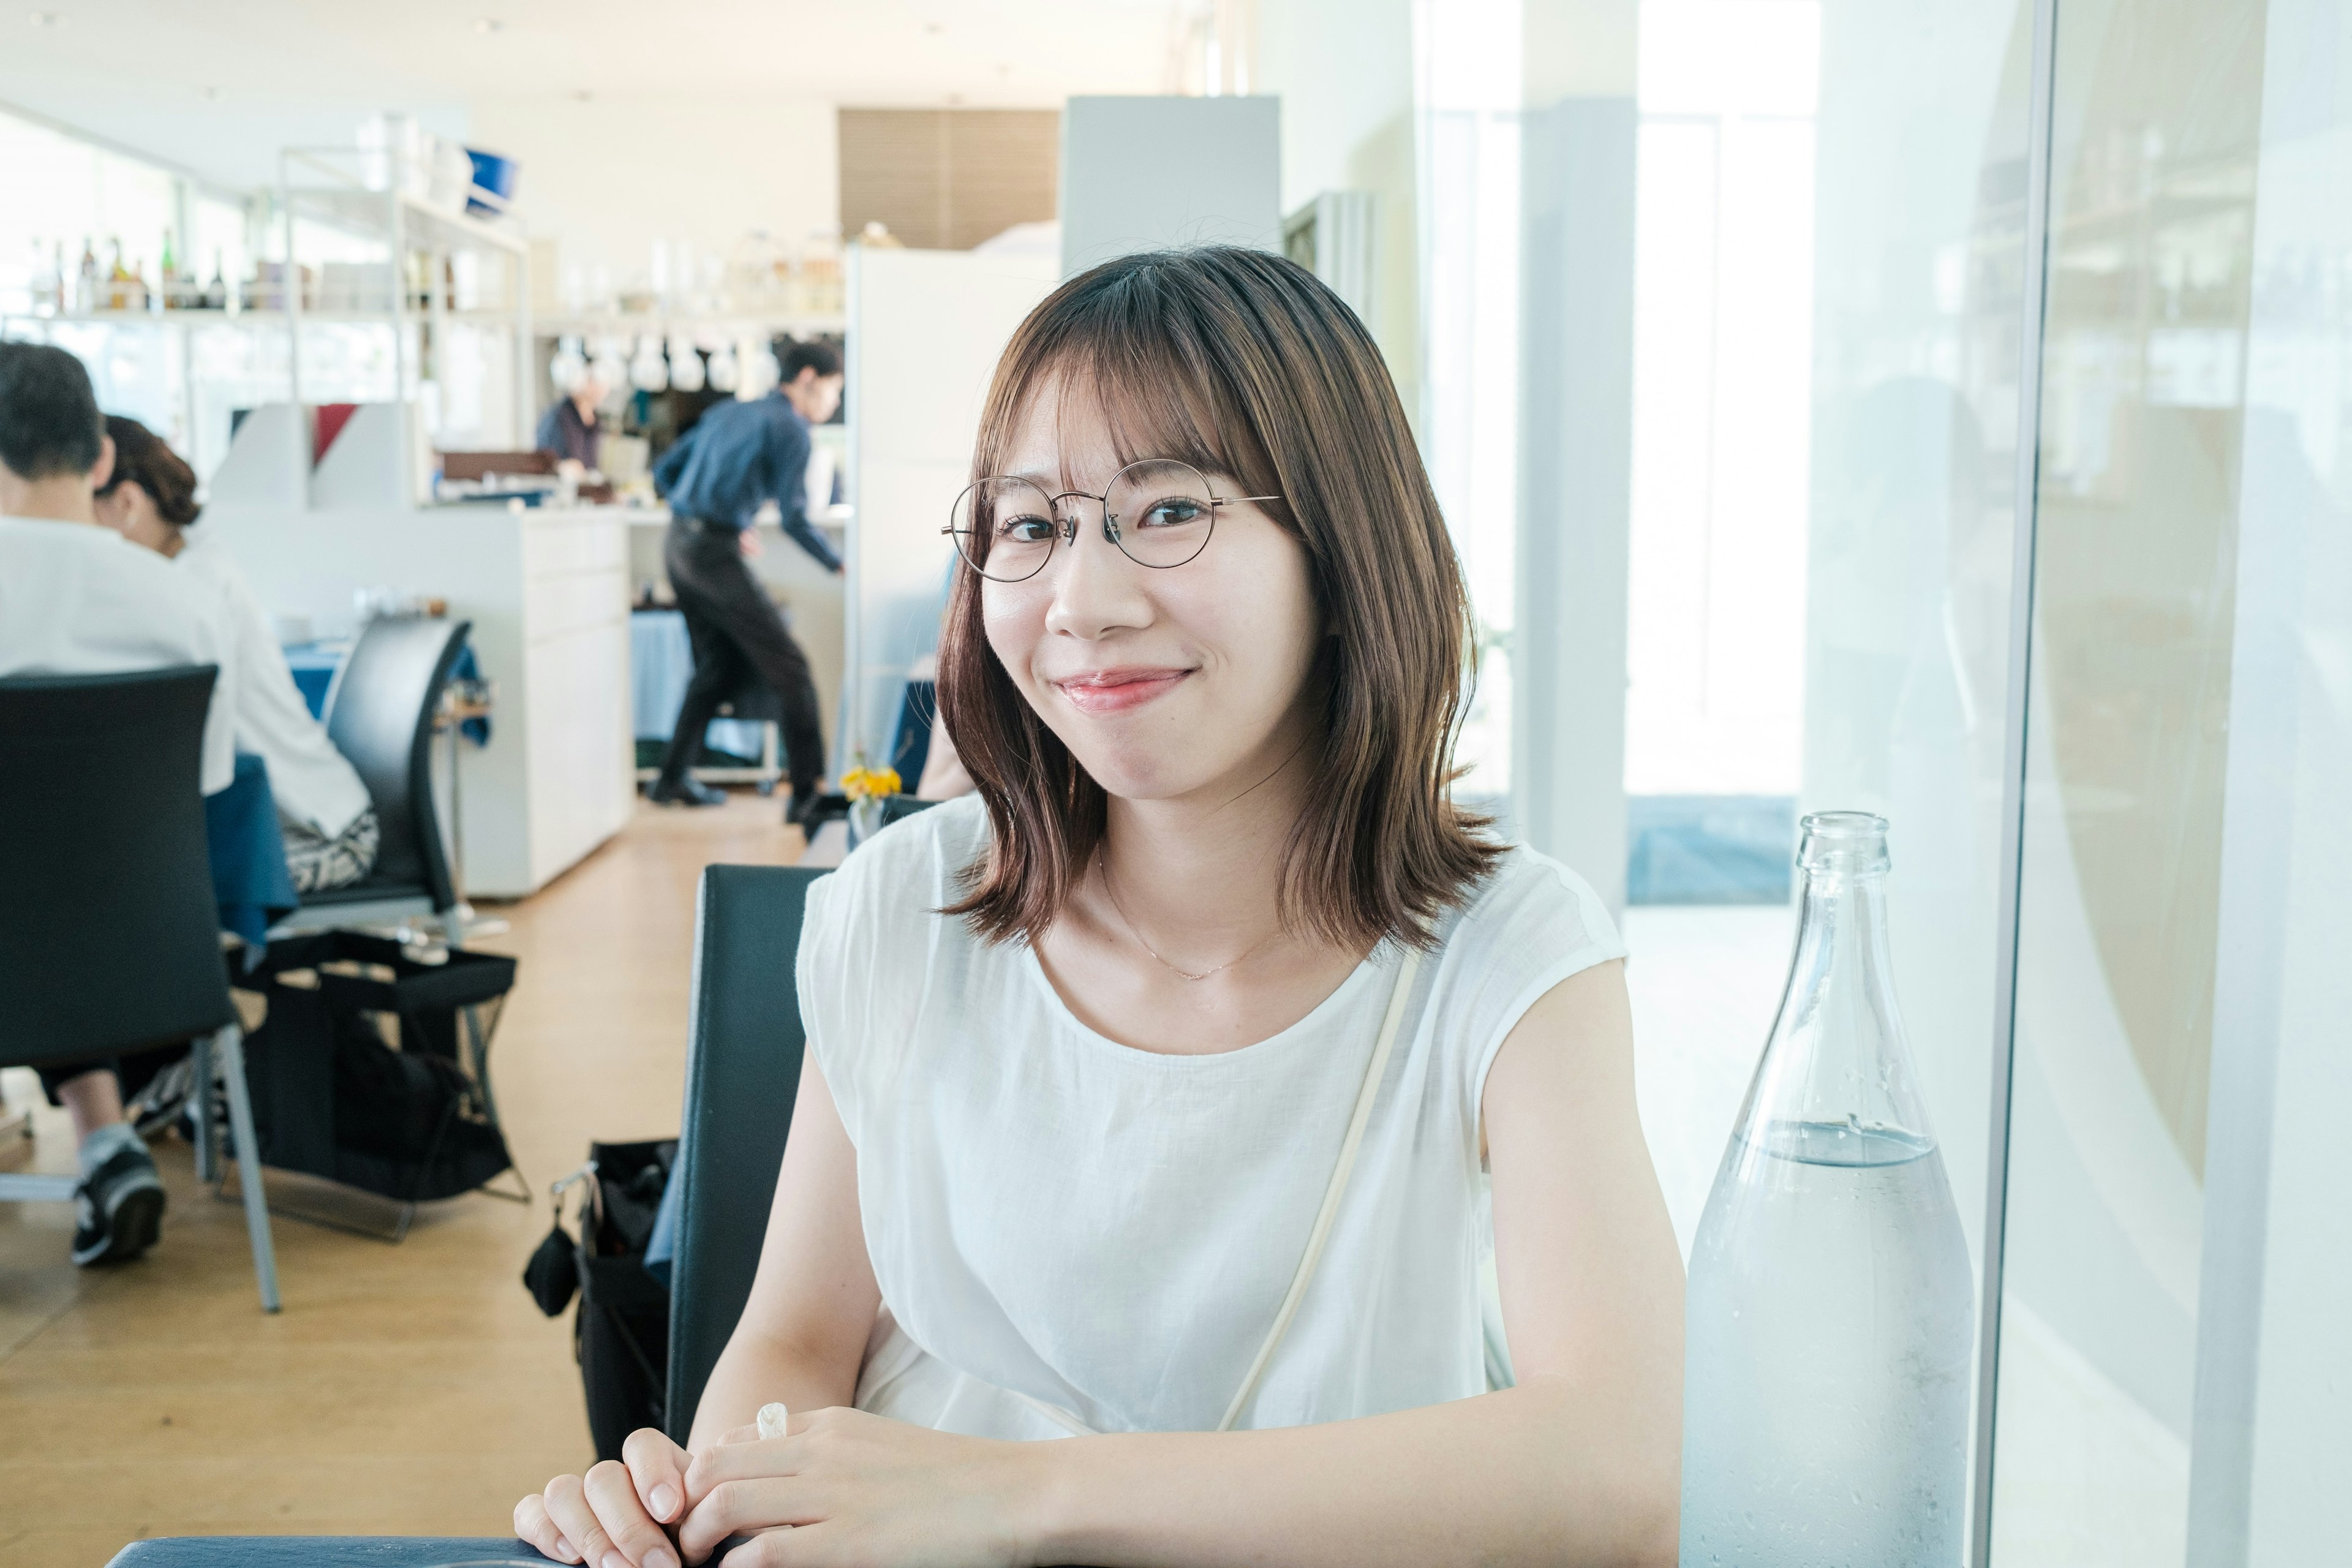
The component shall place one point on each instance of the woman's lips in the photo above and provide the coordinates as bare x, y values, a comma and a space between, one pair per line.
1117, 690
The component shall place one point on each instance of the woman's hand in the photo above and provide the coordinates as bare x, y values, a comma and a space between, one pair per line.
613, 1516
865, 1488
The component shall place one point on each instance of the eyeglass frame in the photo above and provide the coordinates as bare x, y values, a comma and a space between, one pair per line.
1067, 529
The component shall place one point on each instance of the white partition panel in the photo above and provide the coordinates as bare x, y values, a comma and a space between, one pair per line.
926, 328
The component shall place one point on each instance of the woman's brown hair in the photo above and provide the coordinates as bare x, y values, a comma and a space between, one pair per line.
142, 458
1244, 365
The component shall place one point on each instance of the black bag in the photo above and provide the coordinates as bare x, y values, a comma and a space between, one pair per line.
621, 1334
333, 1097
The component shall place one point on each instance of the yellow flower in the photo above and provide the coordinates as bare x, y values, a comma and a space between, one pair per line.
869, 783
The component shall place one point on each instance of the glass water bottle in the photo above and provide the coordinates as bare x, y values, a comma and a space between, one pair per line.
1825, 1392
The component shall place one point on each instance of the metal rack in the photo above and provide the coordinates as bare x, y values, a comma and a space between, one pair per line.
376, 194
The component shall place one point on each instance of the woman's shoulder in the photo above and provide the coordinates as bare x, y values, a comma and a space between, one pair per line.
1529, 925
1529, 898
903, 875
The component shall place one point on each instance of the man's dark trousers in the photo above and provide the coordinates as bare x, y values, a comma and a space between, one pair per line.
735, 630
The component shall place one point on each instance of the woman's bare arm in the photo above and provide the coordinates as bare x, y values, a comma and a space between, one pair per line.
802, 1338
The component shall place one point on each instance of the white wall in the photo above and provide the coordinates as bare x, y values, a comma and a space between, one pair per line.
1344, 71
926, 329
607, 176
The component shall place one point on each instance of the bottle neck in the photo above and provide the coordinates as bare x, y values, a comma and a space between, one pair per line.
1837, 1056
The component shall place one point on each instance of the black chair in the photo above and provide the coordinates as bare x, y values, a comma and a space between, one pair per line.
380, 714
742, 1069
110, 937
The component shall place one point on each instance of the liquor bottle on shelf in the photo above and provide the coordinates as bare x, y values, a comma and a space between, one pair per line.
118, 281
136, 295
60, 281
37, 282
86, 294
217, 291
167, 276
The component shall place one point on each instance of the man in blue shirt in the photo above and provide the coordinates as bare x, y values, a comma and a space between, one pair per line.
737, 456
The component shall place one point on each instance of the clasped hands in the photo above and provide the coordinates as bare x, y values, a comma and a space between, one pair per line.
854, 1487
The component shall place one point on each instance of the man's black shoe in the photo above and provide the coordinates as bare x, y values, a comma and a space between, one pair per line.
121, 1208
811, 811
684, 790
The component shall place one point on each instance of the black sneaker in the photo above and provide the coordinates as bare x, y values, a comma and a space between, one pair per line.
159, 1106
684, 790
121, 1208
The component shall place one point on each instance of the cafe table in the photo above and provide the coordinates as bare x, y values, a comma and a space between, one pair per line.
327, 1551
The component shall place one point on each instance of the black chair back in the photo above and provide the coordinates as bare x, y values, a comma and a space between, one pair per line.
379, 715
742, 1069
109, 938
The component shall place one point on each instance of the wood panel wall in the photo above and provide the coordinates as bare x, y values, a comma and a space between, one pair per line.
946, 179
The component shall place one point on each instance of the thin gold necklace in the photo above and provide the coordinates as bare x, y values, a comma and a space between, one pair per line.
1102, 869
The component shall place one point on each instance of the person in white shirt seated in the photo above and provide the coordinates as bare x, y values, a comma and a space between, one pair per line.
75, 598
329, 825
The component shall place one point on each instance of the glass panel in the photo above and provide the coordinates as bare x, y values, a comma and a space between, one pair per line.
2179, 970
1470, 56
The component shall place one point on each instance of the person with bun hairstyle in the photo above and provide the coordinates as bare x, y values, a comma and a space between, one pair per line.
1169, 1096
324, 808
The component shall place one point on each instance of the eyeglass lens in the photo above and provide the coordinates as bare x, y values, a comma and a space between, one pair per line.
1159, 511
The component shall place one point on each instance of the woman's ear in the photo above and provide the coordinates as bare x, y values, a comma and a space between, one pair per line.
104, 470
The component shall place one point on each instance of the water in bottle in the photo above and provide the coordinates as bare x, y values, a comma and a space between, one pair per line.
1830, 1303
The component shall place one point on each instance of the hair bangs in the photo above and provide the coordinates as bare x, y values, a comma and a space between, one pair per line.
1158, 386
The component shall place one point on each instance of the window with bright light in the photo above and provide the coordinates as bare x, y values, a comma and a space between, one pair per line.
1469, 190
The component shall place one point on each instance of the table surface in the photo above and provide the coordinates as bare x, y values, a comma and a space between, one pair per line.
324, 1551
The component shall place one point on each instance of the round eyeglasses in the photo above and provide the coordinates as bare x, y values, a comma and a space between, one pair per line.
1160, 512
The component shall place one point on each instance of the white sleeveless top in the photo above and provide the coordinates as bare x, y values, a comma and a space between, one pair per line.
1073, 1234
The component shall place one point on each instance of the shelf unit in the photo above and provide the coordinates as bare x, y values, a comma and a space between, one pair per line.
381, 197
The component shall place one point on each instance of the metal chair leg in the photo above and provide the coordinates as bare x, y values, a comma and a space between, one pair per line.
200, 1090
231, 1041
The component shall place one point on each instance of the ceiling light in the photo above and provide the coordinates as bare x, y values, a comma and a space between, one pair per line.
935, 28
43, 18
490, 25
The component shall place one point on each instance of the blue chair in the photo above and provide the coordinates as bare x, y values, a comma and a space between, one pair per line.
743, 1050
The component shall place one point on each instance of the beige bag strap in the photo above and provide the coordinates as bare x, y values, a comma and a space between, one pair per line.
1373, 1074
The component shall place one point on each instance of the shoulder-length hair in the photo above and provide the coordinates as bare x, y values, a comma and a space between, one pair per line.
1244, 365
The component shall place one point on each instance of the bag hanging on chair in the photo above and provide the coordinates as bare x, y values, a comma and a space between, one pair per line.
620, 1334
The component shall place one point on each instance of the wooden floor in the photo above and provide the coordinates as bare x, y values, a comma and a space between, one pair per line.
405, 1389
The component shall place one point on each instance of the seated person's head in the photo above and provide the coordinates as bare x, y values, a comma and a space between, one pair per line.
54, 449
151, 495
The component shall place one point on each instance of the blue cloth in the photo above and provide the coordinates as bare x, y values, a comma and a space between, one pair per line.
321, 1552
661, 661
250, 881
1709, 848
737, 457
314, 664
661, 1247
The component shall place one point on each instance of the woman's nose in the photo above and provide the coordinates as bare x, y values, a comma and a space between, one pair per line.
1095, 589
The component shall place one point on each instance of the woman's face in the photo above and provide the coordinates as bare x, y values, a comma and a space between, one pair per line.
130, 511
1164, 683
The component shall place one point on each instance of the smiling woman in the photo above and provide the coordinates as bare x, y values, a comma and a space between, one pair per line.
1151, 1095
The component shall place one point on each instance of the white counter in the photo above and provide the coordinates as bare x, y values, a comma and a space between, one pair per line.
548, 593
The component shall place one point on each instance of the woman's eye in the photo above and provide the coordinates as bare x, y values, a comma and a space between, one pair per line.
1173, 513
1025, 529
